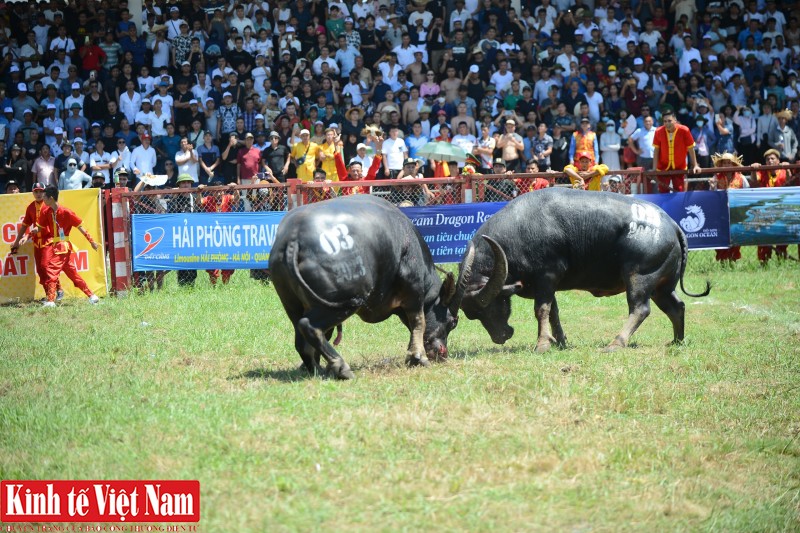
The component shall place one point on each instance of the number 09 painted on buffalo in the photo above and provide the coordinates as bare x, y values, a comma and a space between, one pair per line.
335, 239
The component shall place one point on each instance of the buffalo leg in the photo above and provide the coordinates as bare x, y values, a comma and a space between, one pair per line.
308, 354
638, 310
675, 309
416, 347
313, 326
555, 325
542, 306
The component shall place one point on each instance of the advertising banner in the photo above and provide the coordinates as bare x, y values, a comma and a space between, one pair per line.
703, 216
448, 228
765, 216
18, 279
200, 241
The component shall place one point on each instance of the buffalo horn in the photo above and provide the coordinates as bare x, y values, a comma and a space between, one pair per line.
464, 273
499, 274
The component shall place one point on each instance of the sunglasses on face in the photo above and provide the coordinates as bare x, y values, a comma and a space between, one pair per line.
72, 165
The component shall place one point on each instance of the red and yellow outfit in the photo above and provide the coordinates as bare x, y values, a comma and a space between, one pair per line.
211, 204
773, 178
41, 251
672, 151
527, 184
592, 184
342, 174
55, 228
585, 143
729, 180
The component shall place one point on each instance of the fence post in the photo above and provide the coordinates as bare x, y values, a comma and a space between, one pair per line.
466, 192
294, 194
120, 243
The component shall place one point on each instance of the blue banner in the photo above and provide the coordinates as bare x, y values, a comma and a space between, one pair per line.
703, 216
448, 228
197, 241
765, 216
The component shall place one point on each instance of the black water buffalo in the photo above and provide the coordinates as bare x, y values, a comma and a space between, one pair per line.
562, 239
359, 255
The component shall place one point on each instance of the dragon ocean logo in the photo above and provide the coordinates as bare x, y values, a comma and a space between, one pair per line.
695, 219
152, 237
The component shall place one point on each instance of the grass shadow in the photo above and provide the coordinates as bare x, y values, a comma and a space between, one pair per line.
292, 375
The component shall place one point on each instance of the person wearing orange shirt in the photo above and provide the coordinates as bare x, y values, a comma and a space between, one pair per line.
721, 181
55, 224
220, 201
672, 143
40, 249
772, 178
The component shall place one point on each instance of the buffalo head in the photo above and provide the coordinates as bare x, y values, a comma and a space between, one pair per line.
442, 317
489, 299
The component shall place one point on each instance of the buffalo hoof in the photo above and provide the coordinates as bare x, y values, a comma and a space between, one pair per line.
613, 347
340, 370
542, 347
676, 342
417, 360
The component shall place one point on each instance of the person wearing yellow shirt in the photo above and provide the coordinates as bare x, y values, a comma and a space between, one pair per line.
304, 156
583, 174
326, 153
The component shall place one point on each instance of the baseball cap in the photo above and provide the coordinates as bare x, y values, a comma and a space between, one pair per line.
638, 61
96, 124
8, 109
99, 175
274, 134
75, 105
192, 101
51, 106
27, 111
474, 69
58, 130
186, 63
585, 119
76, 86
145, 136
360, 146
333, 126
248, 135
409, 161
173, 8
226, 93
22, 87
259, 116
441, 112
145, 100
38, 186
499, 161
14, 68
511, 121
305, 132
77, 140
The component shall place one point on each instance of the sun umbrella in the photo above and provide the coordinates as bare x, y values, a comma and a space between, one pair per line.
442, 151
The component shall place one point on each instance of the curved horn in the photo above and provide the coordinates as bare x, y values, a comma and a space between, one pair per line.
464, 273
498, 278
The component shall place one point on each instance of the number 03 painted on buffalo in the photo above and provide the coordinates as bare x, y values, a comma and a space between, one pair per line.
336, 239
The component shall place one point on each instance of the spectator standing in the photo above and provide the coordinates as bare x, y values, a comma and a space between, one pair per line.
511, 144
672, 143
143, 158
187, 160
782, 138
394, 152
209, 156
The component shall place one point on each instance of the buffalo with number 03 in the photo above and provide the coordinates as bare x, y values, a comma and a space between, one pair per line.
563, 239
360, 255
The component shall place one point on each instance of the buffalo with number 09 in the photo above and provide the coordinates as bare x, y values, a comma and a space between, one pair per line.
360, 255
564, 239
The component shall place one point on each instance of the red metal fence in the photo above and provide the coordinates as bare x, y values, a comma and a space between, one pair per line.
120, 204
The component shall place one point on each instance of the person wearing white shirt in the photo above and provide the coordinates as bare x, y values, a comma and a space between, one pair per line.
324, 57
121, 157
566, 58
173, 23
143, 158
145, 114
426, 17
100, 161
130, 102
650, 35
502, 78
187, 159
586, 26
550, 11
624, 37
405, 52
459, 13
355, 89
610, 145
73, 178
161, 51
689, 53
394, 151
464, 140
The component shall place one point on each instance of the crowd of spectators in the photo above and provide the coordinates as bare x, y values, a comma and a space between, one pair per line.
221, 90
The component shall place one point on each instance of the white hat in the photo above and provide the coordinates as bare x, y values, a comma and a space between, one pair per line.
173, 8
76, 85
333, 126
305, 132
360, 146
192, 101
8, 109
226, 93
58, 130
27, 111
77, 140
712, 58
14, 68
474, 69
51, 106
154, 180
638, 61
259, 116
146, 100
22, 87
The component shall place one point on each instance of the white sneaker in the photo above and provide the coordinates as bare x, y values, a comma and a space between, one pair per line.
93, 299
59, 295
49, 304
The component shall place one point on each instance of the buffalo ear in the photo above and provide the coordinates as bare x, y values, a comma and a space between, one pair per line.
510, 290
448, 288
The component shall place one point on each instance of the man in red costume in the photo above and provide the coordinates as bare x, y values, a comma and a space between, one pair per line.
724, 180
40, 250
671, 144
56, 224
772, 178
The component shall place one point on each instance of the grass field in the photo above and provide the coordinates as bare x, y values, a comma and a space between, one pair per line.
202, 385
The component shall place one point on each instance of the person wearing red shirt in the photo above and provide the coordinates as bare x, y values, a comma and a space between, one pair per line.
723, 181
672, 142
56, 225
92, 56
220, 201
41, 249
772, 178
354, 171
248, 161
